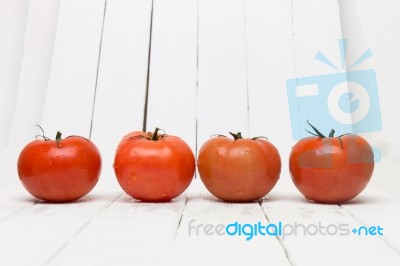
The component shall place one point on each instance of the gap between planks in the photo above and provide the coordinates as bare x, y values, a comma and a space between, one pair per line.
146, 97
98, 68
283, 246
80, 229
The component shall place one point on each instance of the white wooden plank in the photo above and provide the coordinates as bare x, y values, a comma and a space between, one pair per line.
270, 62
222, 104
14, 199
121, 85
129, 227
327, 230
222, 107
316, 29
127, 232
71, 88
371, 25
198, 239
44, 230
312, 32
13, 17
38, 49
73, 74
173, 69
222, 89
375, 207
270, 54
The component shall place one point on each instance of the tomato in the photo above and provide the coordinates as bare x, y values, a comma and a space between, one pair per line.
61, 170
153, 167
239, 170
331, 169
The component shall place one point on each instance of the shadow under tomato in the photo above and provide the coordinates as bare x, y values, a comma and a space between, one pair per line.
365, 200
84, 199
277, 197
27, 199
213, 199
361, 200
125, 198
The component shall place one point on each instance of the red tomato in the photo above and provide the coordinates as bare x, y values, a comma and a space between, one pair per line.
61, 170
239, 170
152, 167
331, 169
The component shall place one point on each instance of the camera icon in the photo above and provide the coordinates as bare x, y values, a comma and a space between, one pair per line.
345, 101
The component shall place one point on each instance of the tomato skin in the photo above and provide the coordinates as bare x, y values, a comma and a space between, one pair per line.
331, 170
239, 170
59, 173
153, 170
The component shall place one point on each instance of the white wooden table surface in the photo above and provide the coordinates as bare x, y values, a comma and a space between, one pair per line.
193, 68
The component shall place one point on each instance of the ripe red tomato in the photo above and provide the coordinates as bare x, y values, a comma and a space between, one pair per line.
153, 167
239, 170
61, 170
331, 169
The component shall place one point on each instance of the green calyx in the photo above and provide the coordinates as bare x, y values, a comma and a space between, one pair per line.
319, 134
238, 135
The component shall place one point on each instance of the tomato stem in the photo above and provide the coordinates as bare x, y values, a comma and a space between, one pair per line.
155, 135
58, 138
236, 136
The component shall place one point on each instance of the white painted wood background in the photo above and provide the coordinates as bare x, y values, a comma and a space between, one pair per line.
203, 67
